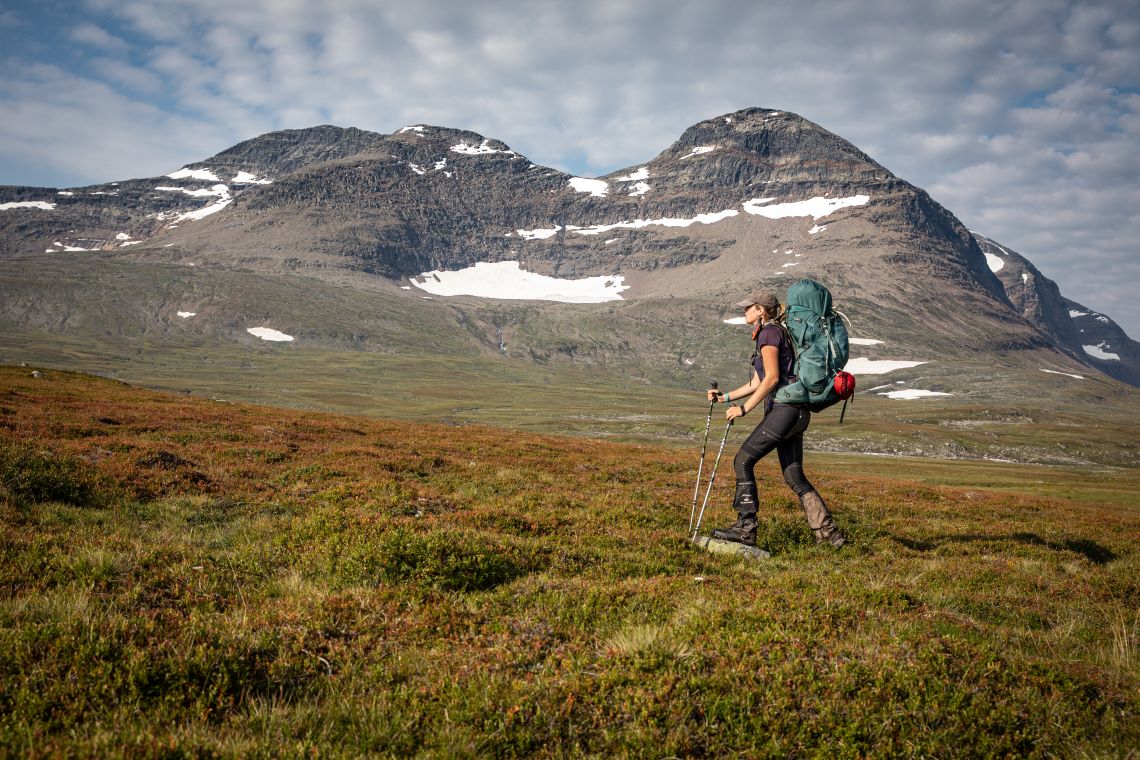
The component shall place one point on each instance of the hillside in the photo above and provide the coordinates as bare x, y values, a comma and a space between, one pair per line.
186, 577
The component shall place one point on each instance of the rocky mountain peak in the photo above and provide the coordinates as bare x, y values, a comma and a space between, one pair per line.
278, 153
782, 147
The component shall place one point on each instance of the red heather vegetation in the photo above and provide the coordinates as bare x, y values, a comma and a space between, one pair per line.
182, 577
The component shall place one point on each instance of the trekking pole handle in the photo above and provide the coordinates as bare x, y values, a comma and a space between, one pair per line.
716, 393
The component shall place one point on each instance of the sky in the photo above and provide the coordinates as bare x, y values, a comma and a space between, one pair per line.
1022, 117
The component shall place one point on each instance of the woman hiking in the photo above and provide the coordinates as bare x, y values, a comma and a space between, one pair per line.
782, 427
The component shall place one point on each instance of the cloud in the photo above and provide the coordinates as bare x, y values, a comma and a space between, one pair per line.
43, 103
97, 37
1022, 117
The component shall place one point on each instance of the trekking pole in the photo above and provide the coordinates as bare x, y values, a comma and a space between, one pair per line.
701, 466
712, 479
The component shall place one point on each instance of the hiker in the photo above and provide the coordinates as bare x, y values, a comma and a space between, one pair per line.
782, 427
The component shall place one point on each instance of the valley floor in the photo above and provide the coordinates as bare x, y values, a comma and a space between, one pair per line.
187, 577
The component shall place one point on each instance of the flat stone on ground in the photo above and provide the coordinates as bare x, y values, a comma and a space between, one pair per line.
717, 546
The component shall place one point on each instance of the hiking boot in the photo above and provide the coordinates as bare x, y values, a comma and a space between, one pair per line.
743, 531
819, 520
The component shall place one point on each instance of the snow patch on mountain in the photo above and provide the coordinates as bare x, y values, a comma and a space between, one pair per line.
61, 247
995, 262
508, 280
595, 187
1066, 374
540, 234
637, 176
1100, 351
861, 366
639, 189
913, 393
1093, 314
202, 213
245, 178
636, 224
45, 206
222, 191
268, 333
864, 342
482, 149
817, 207
697, 151
202, 174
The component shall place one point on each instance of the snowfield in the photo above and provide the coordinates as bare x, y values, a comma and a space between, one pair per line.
45, 206
268, 333
913, 393
483, 149
1100, 351
817, 207
595, 187
203, 174
538, 234
508, 280
697, 151
863, 366
218, 190
640, 174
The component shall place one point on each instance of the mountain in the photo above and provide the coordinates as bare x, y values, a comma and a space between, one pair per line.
397, 236
1086, 335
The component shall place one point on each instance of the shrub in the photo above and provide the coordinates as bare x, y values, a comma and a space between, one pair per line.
452, 561
31, 475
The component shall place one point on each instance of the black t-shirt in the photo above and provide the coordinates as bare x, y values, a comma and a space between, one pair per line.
773, 335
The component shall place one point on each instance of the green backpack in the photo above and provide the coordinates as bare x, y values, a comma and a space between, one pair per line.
820, 340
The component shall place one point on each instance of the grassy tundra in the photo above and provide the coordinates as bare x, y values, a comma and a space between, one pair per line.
188, 578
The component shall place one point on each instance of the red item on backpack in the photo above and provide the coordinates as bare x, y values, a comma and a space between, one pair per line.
844, 384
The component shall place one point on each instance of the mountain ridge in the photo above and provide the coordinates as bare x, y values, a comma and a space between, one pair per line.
720, 210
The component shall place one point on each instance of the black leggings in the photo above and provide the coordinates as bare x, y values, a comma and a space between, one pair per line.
781, 429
